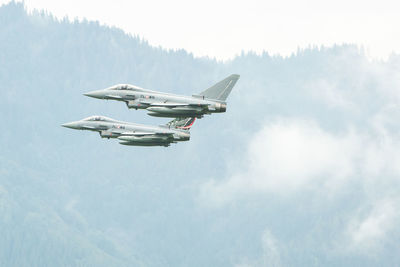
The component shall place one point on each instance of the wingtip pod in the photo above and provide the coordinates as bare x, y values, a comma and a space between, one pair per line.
221, 90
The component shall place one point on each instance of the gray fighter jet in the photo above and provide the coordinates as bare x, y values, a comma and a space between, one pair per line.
212, 100
133, 134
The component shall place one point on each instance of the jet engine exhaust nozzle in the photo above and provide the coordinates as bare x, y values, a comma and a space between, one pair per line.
220, 107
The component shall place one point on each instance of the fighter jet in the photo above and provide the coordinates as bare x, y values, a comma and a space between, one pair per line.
158, 104
133, 134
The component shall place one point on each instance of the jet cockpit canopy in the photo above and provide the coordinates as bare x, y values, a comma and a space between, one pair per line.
126, 87
98, 118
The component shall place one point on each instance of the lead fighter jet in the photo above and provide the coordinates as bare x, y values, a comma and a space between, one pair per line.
158, 104
133, 134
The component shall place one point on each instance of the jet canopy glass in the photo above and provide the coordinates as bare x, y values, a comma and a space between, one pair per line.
98, 118
126, 87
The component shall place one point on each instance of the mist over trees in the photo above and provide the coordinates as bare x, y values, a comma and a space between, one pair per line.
69, 198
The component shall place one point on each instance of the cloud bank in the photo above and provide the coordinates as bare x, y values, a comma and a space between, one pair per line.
312, 167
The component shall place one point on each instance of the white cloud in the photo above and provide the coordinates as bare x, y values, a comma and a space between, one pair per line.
288, 155
368, 233
292, 155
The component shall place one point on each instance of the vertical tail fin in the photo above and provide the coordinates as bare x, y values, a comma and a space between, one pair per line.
222, 89
181, 123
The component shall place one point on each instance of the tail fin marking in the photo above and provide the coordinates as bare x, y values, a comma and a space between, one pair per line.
182, 123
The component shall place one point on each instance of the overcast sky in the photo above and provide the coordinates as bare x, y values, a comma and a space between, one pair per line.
222, 29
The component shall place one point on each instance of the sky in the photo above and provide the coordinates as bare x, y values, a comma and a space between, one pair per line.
223, 29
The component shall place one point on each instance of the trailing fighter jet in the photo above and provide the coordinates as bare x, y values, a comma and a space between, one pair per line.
133, 134
158, 104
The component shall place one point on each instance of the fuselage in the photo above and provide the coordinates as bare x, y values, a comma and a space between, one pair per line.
160, 104
130, 133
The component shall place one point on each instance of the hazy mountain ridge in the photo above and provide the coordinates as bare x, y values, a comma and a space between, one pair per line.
68, 198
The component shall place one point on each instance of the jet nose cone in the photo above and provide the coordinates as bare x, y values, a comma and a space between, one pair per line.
71, 125
66, 125
96, 94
